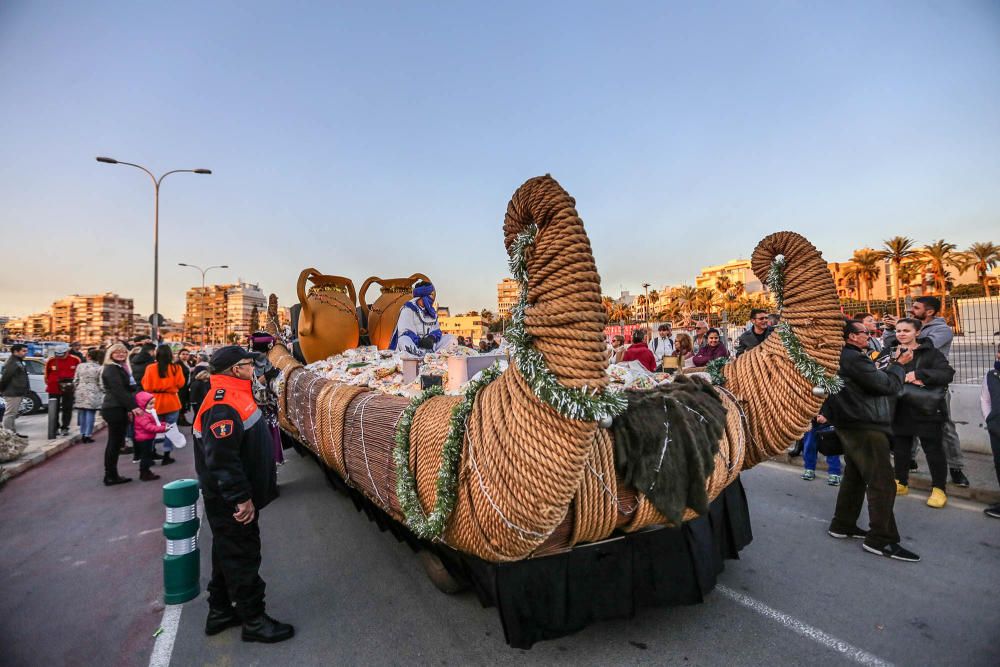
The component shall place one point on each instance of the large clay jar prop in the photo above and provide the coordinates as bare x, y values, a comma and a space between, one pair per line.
384, 313
328, 323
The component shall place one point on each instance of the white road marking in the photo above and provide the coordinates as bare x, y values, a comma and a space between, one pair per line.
840, 646
118, 538
914, 494
147, 532
163, 649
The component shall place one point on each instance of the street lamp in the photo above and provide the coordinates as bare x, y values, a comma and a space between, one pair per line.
203, 272
155, 320
645, 286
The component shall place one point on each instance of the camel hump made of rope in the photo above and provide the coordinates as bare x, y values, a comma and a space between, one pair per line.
530, 479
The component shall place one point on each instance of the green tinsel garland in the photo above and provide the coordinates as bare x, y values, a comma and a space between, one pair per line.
715, 370
431, 526
570, 403
807, 367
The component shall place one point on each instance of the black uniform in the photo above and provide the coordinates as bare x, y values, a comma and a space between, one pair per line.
235, 464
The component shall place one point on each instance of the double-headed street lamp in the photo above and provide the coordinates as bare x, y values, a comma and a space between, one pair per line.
155, 319
203, 295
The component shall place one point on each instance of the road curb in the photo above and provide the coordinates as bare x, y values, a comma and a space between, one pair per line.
976, 494
48, 450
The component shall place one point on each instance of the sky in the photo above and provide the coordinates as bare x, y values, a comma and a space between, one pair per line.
382, 138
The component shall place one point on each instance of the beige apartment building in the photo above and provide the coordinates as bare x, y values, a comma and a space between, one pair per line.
216, 314
508, 292
471, 326
883, 288
737, 270
92, 319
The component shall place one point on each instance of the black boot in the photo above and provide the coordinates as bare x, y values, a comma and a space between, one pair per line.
958, 478
167, 460
220, 619
117, 479
265, 629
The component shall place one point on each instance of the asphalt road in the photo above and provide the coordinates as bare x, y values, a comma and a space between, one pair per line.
356, 596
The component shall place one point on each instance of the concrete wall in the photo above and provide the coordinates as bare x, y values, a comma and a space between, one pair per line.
968, 418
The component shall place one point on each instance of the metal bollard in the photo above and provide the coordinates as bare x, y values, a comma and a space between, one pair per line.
53, 417
182, 562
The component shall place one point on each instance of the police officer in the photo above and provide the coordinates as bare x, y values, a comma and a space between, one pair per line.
233, 455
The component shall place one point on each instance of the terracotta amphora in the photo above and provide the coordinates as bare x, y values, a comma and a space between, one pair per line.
384, 313
328, 323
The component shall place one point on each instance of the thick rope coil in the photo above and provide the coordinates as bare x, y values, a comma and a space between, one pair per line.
595, 508
331, 412
779, 402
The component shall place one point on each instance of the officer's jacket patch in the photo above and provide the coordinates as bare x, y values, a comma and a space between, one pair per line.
222, 428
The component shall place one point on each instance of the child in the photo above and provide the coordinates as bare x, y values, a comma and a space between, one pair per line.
147, 426
810, 441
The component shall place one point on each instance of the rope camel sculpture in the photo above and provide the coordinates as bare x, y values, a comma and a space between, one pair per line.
525, 461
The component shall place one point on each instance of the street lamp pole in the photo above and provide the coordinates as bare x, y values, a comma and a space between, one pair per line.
645, 286
203, 294
155, 320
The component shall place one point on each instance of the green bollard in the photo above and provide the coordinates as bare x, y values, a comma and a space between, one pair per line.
182, 562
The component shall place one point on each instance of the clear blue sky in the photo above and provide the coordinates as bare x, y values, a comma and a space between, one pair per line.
386, 138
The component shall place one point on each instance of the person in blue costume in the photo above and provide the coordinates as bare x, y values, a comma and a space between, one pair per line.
417, 330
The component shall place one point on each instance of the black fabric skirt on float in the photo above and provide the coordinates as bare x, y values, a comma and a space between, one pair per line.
552, 596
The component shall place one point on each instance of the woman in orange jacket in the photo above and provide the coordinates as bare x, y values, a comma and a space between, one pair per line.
164, 380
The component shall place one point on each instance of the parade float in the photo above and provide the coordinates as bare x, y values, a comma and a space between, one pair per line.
558, 497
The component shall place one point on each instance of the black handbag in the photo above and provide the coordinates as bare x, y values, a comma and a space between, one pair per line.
829, 444
923, 400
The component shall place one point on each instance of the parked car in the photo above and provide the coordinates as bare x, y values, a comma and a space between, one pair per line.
37, 399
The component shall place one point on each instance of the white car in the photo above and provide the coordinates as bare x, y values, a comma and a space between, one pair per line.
37, 399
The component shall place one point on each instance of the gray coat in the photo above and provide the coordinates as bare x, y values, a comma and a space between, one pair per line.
14, 380
87, 383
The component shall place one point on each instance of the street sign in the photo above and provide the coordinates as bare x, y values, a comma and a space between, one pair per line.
159, 320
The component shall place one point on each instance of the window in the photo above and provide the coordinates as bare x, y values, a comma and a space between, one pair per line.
34, 367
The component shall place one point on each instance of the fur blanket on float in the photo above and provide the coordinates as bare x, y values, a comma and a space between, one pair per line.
666, 442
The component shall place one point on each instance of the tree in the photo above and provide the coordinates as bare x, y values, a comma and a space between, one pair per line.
654, 298
865, 269
621, 313
685, 296
704, 300
983, 257
897, 250
487, 316
738, 287
723, 284
907, 274
609, 305
938, 256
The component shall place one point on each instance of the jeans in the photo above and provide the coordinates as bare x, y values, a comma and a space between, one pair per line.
902, 449
809, 444
117, 420
85, 420
868, 472
13, 404
168, 418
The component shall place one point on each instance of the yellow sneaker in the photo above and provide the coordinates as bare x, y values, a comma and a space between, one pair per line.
901, 489
937, 499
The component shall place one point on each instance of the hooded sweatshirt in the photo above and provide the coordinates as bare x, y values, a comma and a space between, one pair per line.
937, 330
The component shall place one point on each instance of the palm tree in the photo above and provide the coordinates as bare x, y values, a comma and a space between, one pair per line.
640, 306
865, 268
704, 300
621, 313
897, 250
723, 284
685, 296
907, 274
670, 312
738, 287
939, 255
983, 257
609, 305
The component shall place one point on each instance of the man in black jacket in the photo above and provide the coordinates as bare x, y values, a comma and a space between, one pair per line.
758, 332
862, 415
235, 463
14, 385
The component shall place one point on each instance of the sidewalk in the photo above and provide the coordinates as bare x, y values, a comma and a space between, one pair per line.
978, 468
39, 447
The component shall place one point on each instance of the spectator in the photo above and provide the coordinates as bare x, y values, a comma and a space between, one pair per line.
713, 349
200, 377
491, 343
662, 345
810, 443
88, 393
147, 426
483, 347
928, 368
638, 351
700, 335
461, 341
684, 350
989, 399
875, 343
74, 349
773, 319
141, 361
926, 309
184, 361
14, 385
118, 402
617, 348
59, 372
862, 415
164, 380
756, 333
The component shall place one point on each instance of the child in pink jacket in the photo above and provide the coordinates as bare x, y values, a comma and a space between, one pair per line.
147, 426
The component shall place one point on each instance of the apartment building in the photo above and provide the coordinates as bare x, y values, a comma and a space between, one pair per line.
508, 292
